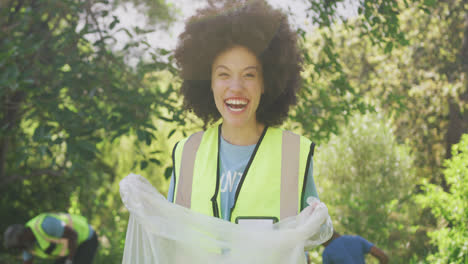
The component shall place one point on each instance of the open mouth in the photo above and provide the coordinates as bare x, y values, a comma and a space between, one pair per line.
236, 104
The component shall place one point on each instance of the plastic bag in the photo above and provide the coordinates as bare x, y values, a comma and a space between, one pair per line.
162, 232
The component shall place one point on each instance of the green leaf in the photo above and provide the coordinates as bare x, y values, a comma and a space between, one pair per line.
165, 119
126, 31
119, 133
42, 132
149, 125
143, 164
38, 132
168, 172
155, 161
430, 3
171, 133
57, 141
141, 134
388, 47
114, 22
164, 52
148, 139
87, 146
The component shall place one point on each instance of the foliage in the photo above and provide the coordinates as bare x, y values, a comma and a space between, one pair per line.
75, 118
333, 99
332, 94
65, 101
365, 177
419, 84
450, 209
381, 21
327, 99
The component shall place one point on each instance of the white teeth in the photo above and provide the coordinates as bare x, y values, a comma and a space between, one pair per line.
236, 102
236, 109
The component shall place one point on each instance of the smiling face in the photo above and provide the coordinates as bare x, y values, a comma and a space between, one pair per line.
237, 84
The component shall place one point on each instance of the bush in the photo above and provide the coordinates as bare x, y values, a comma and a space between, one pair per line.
366, 178
450, 209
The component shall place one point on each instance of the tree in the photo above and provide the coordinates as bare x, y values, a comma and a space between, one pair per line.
417, 85
365, 177
332, 101
420, 83
64, 97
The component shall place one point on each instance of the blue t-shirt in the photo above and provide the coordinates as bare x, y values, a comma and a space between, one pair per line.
55, 228
233, 160
346, 250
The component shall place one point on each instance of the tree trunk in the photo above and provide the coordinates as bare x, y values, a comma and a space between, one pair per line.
458, 122
10, 108
458, 111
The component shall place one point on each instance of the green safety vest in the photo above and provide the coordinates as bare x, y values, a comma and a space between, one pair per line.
52, 247
271, 186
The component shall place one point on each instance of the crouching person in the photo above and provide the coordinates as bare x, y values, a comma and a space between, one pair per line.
62, 238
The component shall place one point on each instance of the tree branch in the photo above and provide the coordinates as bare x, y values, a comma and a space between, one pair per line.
9, 122
17, 8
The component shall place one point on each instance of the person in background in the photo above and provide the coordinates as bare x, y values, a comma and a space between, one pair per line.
350, 250
60, 237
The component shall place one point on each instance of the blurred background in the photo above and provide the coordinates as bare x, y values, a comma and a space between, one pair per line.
89, 93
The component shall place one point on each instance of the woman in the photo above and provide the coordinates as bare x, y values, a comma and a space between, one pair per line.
241, 63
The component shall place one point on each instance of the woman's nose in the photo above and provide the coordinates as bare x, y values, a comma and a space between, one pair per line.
236, 83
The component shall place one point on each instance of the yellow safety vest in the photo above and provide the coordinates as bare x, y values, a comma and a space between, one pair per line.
271, 186
52, 247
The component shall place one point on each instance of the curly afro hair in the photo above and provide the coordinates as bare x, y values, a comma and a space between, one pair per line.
255, 25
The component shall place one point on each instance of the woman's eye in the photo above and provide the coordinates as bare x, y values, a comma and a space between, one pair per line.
250, 75
223, 74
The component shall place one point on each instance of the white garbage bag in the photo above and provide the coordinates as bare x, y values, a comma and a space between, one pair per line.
162, 232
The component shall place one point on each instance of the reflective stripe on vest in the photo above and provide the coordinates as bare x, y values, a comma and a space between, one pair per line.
286, 177
289, 171
184, 192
